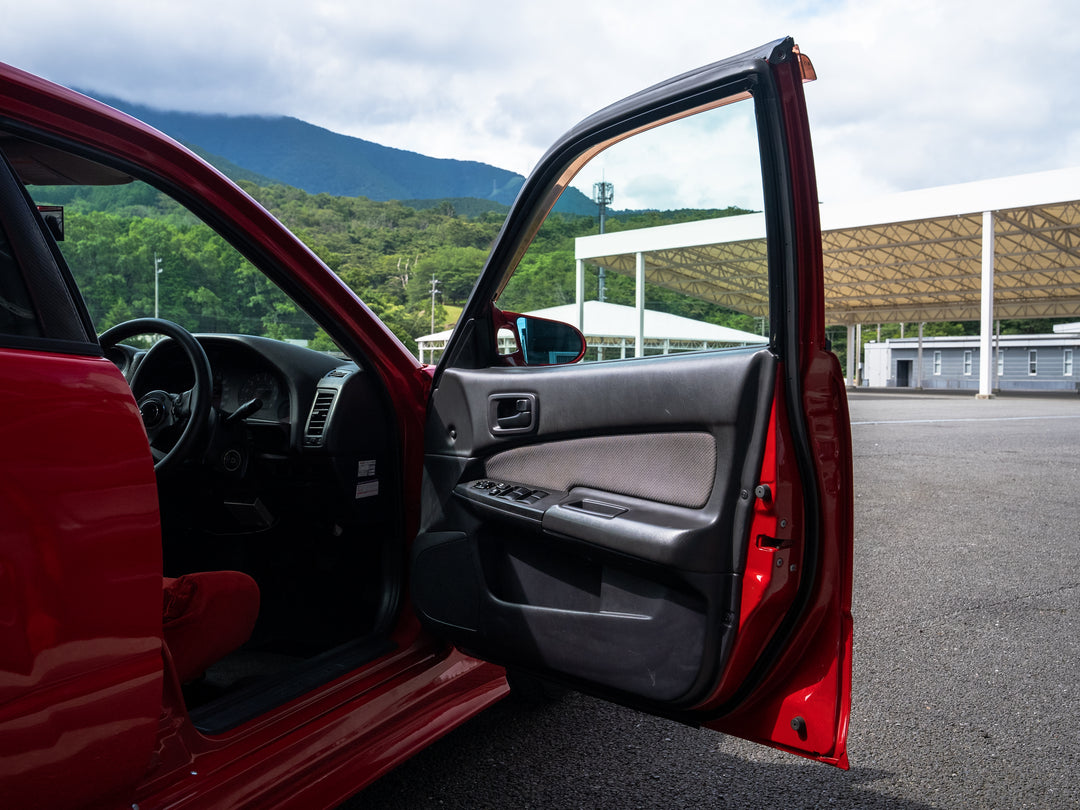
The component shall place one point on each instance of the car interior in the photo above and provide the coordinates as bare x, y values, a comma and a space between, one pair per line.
276, 464
300, 504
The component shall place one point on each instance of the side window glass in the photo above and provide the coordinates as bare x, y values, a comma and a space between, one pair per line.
135, 252
678, 206
17, 316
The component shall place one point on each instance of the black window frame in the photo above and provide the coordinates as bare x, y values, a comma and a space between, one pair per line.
63, 321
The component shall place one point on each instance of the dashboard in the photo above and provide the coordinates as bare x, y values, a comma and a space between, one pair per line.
282, 376
241, 379
320, 447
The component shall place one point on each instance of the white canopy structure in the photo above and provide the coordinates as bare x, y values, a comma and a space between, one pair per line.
1005, 248
614, 328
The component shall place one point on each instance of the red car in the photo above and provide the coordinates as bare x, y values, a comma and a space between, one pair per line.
237, 571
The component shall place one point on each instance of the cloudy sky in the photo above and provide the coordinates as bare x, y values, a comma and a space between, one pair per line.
911, 93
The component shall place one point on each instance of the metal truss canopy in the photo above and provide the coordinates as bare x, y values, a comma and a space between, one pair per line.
911, 257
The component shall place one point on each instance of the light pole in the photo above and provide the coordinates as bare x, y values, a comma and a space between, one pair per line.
434, 289
157, 272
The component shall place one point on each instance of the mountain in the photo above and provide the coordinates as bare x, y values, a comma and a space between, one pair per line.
293, 152
231, 170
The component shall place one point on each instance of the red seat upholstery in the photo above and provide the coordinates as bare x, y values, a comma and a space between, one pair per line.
206, 616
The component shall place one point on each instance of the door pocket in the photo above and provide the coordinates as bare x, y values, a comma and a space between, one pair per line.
591, 506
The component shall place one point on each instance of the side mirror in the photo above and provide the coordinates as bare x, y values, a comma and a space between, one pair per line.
529, 341
54, 218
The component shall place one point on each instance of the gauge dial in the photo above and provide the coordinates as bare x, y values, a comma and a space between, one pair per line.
264, 385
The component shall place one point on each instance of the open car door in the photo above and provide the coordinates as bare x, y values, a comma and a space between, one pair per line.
670, 530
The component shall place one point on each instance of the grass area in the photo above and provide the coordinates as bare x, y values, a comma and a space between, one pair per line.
452, 315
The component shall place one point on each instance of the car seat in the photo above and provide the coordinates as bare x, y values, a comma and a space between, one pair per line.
205, 616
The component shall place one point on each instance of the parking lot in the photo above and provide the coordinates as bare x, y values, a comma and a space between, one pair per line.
966, 603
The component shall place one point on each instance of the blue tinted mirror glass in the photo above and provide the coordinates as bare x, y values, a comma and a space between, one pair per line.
548, 343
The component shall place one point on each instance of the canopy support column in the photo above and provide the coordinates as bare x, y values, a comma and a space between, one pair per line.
997, 355
986, 309
919, 377
850, 376
639, 302
858, 355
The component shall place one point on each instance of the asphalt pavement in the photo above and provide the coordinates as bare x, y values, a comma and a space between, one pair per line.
966, 692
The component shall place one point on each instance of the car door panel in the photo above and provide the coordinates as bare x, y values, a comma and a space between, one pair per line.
80, 578
81, 669
672, 533
612, 555
558, 608
612, 399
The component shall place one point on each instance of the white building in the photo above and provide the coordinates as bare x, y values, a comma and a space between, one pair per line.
611, 332
1019, 362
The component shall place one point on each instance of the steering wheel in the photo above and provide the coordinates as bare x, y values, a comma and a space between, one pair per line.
163, 412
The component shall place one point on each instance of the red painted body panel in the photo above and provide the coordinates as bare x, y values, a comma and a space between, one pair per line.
327, 744
817, 663
771, 576
80, 583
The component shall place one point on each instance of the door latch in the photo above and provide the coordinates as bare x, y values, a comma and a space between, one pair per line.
511, 413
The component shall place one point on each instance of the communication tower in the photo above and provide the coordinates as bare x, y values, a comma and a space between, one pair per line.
602, 193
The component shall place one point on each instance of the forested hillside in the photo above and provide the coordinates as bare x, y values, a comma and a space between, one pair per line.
388, 252
115, 235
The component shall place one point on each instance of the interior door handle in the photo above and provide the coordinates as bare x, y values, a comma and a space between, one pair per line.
512, 413
522, 418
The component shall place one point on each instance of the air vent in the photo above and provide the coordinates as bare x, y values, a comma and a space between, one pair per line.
320, 415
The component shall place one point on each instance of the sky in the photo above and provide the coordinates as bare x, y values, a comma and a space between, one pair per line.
910, 93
